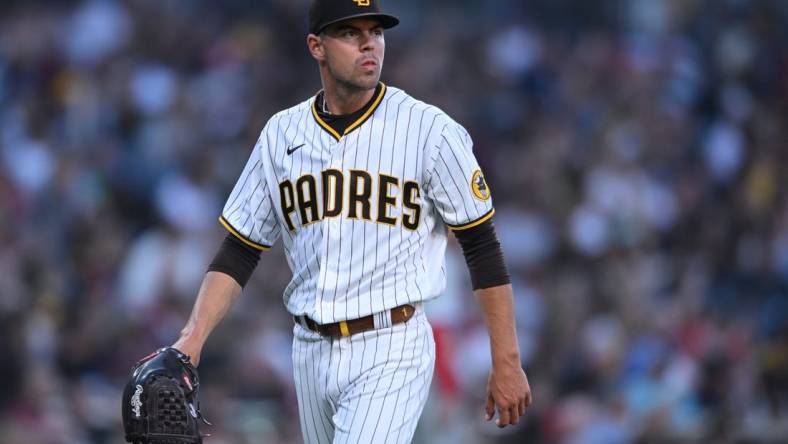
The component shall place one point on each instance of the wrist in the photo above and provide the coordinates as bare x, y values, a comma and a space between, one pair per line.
192, 335
190, 347
506, 358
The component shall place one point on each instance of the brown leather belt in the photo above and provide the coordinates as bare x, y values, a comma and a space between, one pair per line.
346, 328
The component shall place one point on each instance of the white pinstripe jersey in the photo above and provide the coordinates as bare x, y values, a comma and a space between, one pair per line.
363, 215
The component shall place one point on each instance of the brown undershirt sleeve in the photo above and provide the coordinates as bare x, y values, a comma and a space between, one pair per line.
483, 255
235, 259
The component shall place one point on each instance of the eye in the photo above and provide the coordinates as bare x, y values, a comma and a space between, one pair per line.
350, 33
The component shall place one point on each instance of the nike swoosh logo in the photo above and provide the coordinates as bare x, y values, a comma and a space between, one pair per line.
293, 149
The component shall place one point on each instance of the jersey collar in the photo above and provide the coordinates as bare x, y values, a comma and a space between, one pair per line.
370, 109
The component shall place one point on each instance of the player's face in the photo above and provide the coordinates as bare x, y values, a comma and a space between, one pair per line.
353, 52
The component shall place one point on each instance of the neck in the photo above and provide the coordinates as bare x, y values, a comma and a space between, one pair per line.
342, 100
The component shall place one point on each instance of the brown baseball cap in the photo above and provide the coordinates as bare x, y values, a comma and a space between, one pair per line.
327, 12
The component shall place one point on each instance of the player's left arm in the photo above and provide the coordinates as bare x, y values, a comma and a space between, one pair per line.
462, 197
508, 390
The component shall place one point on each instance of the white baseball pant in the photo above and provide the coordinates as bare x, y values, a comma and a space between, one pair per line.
369, 387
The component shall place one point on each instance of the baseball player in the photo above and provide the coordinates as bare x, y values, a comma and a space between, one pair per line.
362, 183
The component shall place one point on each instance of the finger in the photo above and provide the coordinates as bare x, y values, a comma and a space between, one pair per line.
503, 418
521, 406
490, 407
514, 417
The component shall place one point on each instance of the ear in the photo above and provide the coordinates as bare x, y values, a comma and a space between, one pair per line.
315, 46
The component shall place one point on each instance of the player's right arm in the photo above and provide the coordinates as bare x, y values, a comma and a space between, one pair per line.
252, 228
217, 294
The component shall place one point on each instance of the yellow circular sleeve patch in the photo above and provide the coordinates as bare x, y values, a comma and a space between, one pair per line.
479, 186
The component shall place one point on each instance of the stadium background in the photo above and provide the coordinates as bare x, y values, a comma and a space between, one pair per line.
636, 151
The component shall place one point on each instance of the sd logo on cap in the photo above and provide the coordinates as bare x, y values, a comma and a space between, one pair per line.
327, 12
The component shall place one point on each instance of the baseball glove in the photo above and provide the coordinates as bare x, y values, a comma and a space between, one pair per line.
160, 403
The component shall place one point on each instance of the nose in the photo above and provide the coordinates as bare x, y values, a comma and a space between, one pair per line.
367, 42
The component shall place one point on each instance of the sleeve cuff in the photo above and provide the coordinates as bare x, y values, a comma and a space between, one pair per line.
474, 223
240, 237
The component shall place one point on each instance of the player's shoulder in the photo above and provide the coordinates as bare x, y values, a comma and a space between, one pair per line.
399, 96
438, 118
288, 115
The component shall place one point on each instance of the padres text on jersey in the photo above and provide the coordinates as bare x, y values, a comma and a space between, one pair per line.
363, 215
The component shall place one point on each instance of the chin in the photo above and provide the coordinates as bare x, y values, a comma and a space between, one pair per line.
363, 84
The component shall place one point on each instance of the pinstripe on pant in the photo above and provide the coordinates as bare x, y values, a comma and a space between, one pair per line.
367, 388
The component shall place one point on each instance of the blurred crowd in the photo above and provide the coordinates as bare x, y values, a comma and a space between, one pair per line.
637, 152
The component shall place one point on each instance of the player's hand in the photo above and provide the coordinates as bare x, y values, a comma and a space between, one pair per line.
189, 348
508, 392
